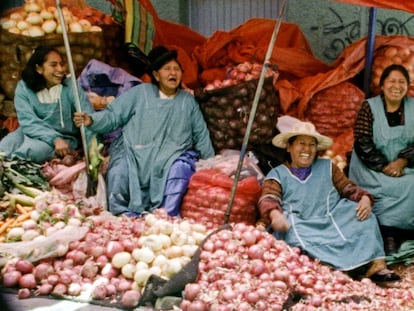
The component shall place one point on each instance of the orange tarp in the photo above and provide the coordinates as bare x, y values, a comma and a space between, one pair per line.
403, 5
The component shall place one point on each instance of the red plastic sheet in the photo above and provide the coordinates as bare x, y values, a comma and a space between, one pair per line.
403, 5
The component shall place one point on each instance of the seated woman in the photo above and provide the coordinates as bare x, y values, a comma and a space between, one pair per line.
163, 135
45, 103
382, 161
311, 204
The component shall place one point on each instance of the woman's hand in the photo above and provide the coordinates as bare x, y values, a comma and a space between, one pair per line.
61, 147
395, 168
363, 210
278, 221
80, 118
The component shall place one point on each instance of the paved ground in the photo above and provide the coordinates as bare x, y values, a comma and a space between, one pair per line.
44, 304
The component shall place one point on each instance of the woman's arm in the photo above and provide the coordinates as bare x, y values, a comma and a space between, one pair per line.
364, 145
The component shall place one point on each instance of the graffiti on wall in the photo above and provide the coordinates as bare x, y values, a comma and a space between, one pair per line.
339, 32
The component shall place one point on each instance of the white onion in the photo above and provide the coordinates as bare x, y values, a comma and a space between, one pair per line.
128, 270
15, 234
32, 7
49, 26
16, 16
144, 254
172, 267
75, 27
141, 276
46, 14
8, 23
35, 31
121, 259
15, 30
151, 241
95, 28
34, 19
30, 234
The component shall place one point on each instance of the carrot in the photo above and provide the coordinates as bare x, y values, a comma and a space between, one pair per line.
19, 219
20, 209
6, 224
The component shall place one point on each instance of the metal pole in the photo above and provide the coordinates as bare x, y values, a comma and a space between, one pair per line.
369, 50
253, 110
76, 91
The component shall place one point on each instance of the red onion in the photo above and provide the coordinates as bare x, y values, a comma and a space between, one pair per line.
99, 292
59, 290
28, 281
130, 298
42, 271
24, 266
23, 293
113, 247
44, 289
11, 278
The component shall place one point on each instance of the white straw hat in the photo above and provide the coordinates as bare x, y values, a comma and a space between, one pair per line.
290, 127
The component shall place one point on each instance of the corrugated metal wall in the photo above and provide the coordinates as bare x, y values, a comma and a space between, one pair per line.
207, 16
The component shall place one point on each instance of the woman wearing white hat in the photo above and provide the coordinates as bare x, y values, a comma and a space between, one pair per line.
310, 203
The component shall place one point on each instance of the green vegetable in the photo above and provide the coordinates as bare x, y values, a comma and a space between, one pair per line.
17, 173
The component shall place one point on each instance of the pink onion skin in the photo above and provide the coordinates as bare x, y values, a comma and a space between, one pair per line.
11, 278
27, 281
23, 293
130, 298
44, 289
24, 266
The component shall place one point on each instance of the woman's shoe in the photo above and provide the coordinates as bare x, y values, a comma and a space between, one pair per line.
390, 246
385, 275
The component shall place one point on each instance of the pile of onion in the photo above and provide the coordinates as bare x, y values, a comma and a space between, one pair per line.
113, 261
248, 269
242, 72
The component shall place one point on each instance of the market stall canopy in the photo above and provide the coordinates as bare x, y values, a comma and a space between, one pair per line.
403, 5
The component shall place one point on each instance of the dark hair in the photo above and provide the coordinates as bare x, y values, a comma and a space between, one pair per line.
394, 67
33, 79
158, 57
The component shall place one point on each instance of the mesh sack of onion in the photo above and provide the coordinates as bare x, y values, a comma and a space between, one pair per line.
227, 109
208, 194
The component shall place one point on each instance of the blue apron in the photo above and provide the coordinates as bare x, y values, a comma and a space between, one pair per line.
394, 196
323, 224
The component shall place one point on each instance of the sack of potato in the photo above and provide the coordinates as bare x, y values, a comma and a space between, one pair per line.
35, 24
227, 110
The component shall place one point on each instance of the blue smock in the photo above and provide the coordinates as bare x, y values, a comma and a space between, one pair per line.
323, 224
40, 124
155, 132
394, 196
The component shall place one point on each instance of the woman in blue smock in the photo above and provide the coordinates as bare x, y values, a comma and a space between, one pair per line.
310, 203
44, 102
382, 160
163, 135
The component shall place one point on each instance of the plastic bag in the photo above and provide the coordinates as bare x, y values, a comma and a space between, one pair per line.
55, 245
227, 161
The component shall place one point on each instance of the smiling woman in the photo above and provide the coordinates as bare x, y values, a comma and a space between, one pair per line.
45, 103
382, 161
309, 203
